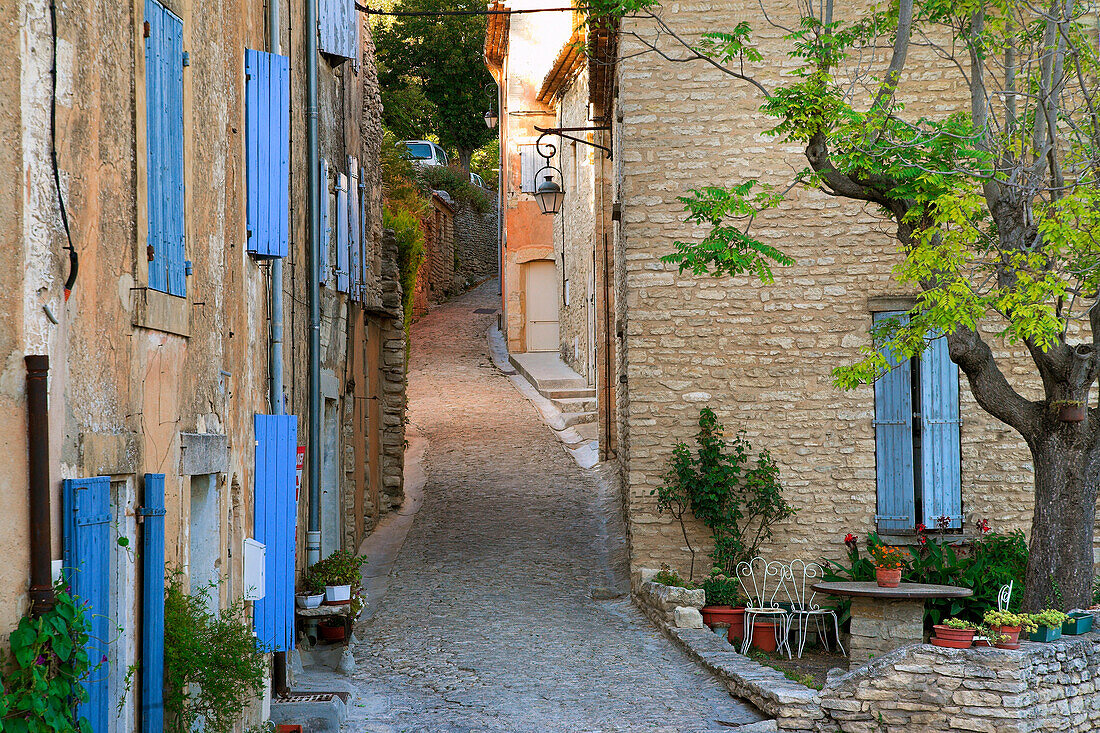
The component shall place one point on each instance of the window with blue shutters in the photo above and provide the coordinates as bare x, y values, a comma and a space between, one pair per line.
325, 233
152, 605
276, 511
267, 142
338, 26
355, 255
342, 239
164, 61
917, 451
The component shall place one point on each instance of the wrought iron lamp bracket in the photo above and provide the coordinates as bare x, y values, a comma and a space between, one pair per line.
563, 132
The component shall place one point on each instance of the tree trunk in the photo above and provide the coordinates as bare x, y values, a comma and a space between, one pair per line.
1059, 569
464, 157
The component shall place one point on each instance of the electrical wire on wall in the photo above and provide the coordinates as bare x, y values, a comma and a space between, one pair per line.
73, 259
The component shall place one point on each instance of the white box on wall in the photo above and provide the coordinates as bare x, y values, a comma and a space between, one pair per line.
255, 569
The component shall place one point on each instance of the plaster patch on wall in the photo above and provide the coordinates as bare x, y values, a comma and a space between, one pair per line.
126, 291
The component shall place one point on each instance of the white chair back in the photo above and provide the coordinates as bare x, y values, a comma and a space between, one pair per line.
1004, 596
799, 576
760, 580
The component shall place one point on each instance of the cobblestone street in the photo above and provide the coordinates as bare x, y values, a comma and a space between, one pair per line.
489, 623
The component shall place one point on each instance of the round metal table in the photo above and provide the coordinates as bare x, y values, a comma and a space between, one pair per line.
884, 619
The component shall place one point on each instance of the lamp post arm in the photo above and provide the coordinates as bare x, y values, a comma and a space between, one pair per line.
562, 132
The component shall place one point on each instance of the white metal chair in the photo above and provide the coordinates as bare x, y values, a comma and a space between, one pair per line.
1004, 596
761, 580
798, 575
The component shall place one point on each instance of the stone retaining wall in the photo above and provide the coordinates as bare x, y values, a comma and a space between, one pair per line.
475, 243
1041, 687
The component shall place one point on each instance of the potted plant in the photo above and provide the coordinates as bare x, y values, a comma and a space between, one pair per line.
338, 573
888, 564
986, 636
1079, 622
954, 633
1049, 622
1008, 626
313, 592
763, 635
722, 595
332, 629
1070, 410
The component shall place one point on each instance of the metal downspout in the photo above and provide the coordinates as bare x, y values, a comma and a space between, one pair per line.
38, 477
313, 533
276, 396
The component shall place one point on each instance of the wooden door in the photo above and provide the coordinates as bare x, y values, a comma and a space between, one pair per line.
542, 306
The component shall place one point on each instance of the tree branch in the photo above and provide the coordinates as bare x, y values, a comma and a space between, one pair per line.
988, 384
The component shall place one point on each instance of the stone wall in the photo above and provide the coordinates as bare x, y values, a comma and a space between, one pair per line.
435, 278
476, 238
762, 355
1041, 687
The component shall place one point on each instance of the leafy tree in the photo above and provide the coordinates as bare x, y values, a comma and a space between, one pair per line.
433, 75
997, 210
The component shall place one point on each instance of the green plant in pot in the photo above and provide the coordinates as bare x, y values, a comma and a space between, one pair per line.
1069, 410
954, 633
338, 574
724, 604
1049, 622
1008, 626
311, 593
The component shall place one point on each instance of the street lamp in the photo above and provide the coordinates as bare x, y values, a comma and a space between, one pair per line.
491, 119
549, 194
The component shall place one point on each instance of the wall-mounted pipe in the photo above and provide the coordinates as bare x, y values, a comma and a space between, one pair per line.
38, 450
276, 391
313, 533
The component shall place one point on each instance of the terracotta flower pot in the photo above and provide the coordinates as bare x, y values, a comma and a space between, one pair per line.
946, 633
720, 614
1072, 412
1013, 637
888, 578
763, 636
737, 626
332, 633
952, 643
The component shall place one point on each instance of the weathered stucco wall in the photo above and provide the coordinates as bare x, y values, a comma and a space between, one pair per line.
762, 355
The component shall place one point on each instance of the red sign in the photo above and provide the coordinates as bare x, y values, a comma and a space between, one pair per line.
298, 480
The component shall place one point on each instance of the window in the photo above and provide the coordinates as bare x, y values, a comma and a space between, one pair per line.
164, 149
419, 151
530, 163
917, 452
267, 136
338, 22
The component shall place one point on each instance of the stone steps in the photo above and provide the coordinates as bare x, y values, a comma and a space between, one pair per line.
576, 404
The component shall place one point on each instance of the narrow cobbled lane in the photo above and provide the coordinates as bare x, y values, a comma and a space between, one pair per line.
489, 623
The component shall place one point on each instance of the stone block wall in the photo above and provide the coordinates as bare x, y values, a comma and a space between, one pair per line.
1041, 687
762, 355
476, 238
879, 627
435, 278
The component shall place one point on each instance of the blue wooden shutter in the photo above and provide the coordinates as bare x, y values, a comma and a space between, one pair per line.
325, 234
276, 511
355, 255
894, 445
941, 463
152, 605
267, 139
338, 23
164, 145
341, 232
86, 523
364, 236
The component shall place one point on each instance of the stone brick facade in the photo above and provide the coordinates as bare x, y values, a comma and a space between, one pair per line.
476, 238
435, 279
762, 355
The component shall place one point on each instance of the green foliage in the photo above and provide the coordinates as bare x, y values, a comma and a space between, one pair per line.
1049, 617
212, 665
340, 568
739, 499
721, 589
433, 76
987, 563
45, 670
669, 577
486, 163
456, 182
410, 253
993, 617
958, 623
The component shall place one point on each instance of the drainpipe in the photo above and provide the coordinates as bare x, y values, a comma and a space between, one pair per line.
38, 449
276, 397
313, 533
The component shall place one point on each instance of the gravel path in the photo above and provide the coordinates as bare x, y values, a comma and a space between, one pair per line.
489, 623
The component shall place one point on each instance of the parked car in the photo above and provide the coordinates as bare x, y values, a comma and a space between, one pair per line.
424, 152
476, 180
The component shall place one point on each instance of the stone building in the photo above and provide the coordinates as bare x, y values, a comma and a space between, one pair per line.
760, 355
181, 154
